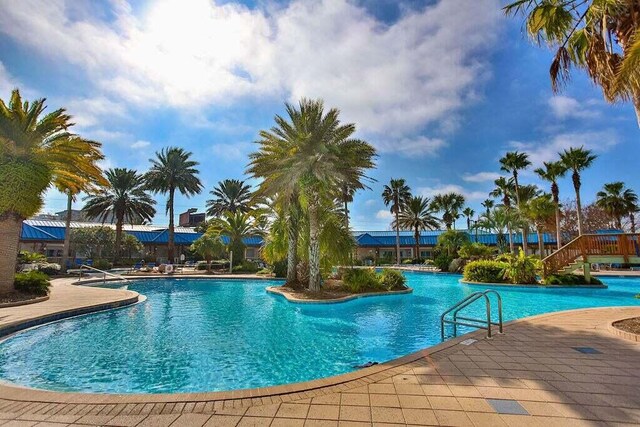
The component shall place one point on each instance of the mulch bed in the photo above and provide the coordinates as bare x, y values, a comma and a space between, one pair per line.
17, 297
629, 325
331, 289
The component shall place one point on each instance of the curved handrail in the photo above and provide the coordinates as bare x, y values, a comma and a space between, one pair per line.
466, 302
105, 273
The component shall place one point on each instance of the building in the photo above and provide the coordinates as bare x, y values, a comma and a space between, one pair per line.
190, 218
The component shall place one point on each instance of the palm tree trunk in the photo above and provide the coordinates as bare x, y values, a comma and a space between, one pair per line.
417, 238
314, 247
525, 238
116, 256
540, 243
67, 234
579, 209
346, 214
170, 245
292, 253
397, 239
512, 249
10, 230
558, 230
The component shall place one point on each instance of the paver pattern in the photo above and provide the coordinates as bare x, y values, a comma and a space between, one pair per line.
533, 366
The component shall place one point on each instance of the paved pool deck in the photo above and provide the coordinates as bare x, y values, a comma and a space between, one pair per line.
561, 369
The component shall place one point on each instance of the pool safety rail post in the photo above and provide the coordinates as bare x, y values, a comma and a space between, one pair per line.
471, 322
104, 273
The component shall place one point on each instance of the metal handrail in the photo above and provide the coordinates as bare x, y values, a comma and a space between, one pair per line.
105, 273
476, 323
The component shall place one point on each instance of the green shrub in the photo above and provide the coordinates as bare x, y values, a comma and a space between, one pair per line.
358, 280
392, 279
442, 261
569, 279
246, 267
520, 269
49, 268
484, 271
475, 251
102, 264
33, 282
26, 257
280, 268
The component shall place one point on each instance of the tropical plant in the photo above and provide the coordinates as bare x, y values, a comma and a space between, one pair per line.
35, 151
484, 271
540, 210
345, 197
208, 246
504, 189
475, 251
32, 282
449, 204
488, 205
570, 279
396, 195
236, 227
513, 162
577, 160
392, 280
551, 172
418, 215
468, 213
498, 220
124, 199
100, 242
452, 240
358, 280
601, 37
314, 153
26, 257
526, 193
617, 201
231, 195
520, 268
173, 170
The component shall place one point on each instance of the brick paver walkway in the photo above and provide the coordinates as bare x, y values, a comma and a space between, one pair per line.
534, 368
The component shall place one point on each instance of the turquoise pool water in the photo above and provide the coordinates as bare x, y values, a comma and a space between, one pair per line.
208, 335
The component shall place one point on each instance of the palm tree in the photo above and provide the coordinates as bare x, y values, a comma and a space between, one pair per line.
35, 152
551, 172
208, 246
513, 162
345, 197
172, 169
577, 160
124, 199
499, 219
602, 38
418, 215
449, 204
315, 153
526, 193
468, 213
505, 189
231, 195
236, 227
540, 210
488, 205
617, 201
396, 195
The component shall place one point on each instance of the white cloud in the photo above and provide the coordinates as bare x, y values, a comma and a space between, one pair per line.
390, 79
371, 202
481, 176
7, 83
564, 107
232, 151
384, 214
451, 188
89, 112
140, 145
546, 151
412, 147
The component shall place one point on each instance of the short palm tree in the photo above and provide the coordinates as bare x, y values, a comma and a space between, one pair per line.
315, 153
513, 162
577, 160
396, 195
551, 172
173, 170
418, 215
231, 195
449, 204
125, 199
617, 201
35, 151
488, 204
208, 246
236, 227
601, 37
540, 210
468, 213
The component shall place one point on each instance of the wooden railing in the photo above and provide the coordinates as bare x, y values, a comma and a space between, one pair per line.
616, 245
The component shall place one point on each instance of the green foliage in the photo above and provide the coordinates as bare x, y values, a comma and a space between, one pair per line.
407, 261
569, 279
246, 267
280, 268
484, 271
33, 282
30, 178
392, 279
520, 269
102, 264
358, 280
442, 261
208, 246
231, 195
49, 268
452, 241
475, 251
456, 265
26, 257
100, 242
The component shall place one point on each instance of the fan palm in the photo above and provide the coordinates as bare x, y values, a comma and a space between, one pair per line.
314, 152
551, 172
236, 227
513, 162
468, 213
504, 190
231, 195
346, 197
526, 193
499, 219
172, 169
35, 151
418, 215
540, 210
602, 37
617, 201
449, 204
396, 195
577, 160
208, 245
124, 199
488, 204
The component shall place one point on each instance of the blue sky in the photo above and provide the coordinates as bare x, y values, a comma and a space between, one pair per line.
441, 88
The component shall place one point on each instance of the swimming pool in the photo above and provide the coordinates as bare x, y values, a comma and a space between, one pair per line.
194, 335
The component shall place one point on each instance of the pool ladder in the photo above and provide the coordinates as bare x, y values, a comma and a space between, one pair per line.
105, 274
456, 320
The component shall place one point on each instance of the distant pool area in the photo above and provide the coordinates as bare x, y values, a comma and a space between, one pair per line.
197, 335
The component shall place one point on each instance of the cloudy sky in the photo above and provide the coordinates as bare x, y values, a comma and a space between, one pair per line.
441, 88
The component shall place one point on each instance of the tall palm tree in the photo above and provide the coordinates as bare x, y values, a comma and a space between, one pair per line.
601, 37
418, 215
504, 189
396, 195
468, 213
231, 195
551, 172
315, 152
499, 219
345, 197
488, 204
526, 193
540, 210
124, 199
172, 169
577, 160
449, 204
513, 162
617, 201
35, 151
